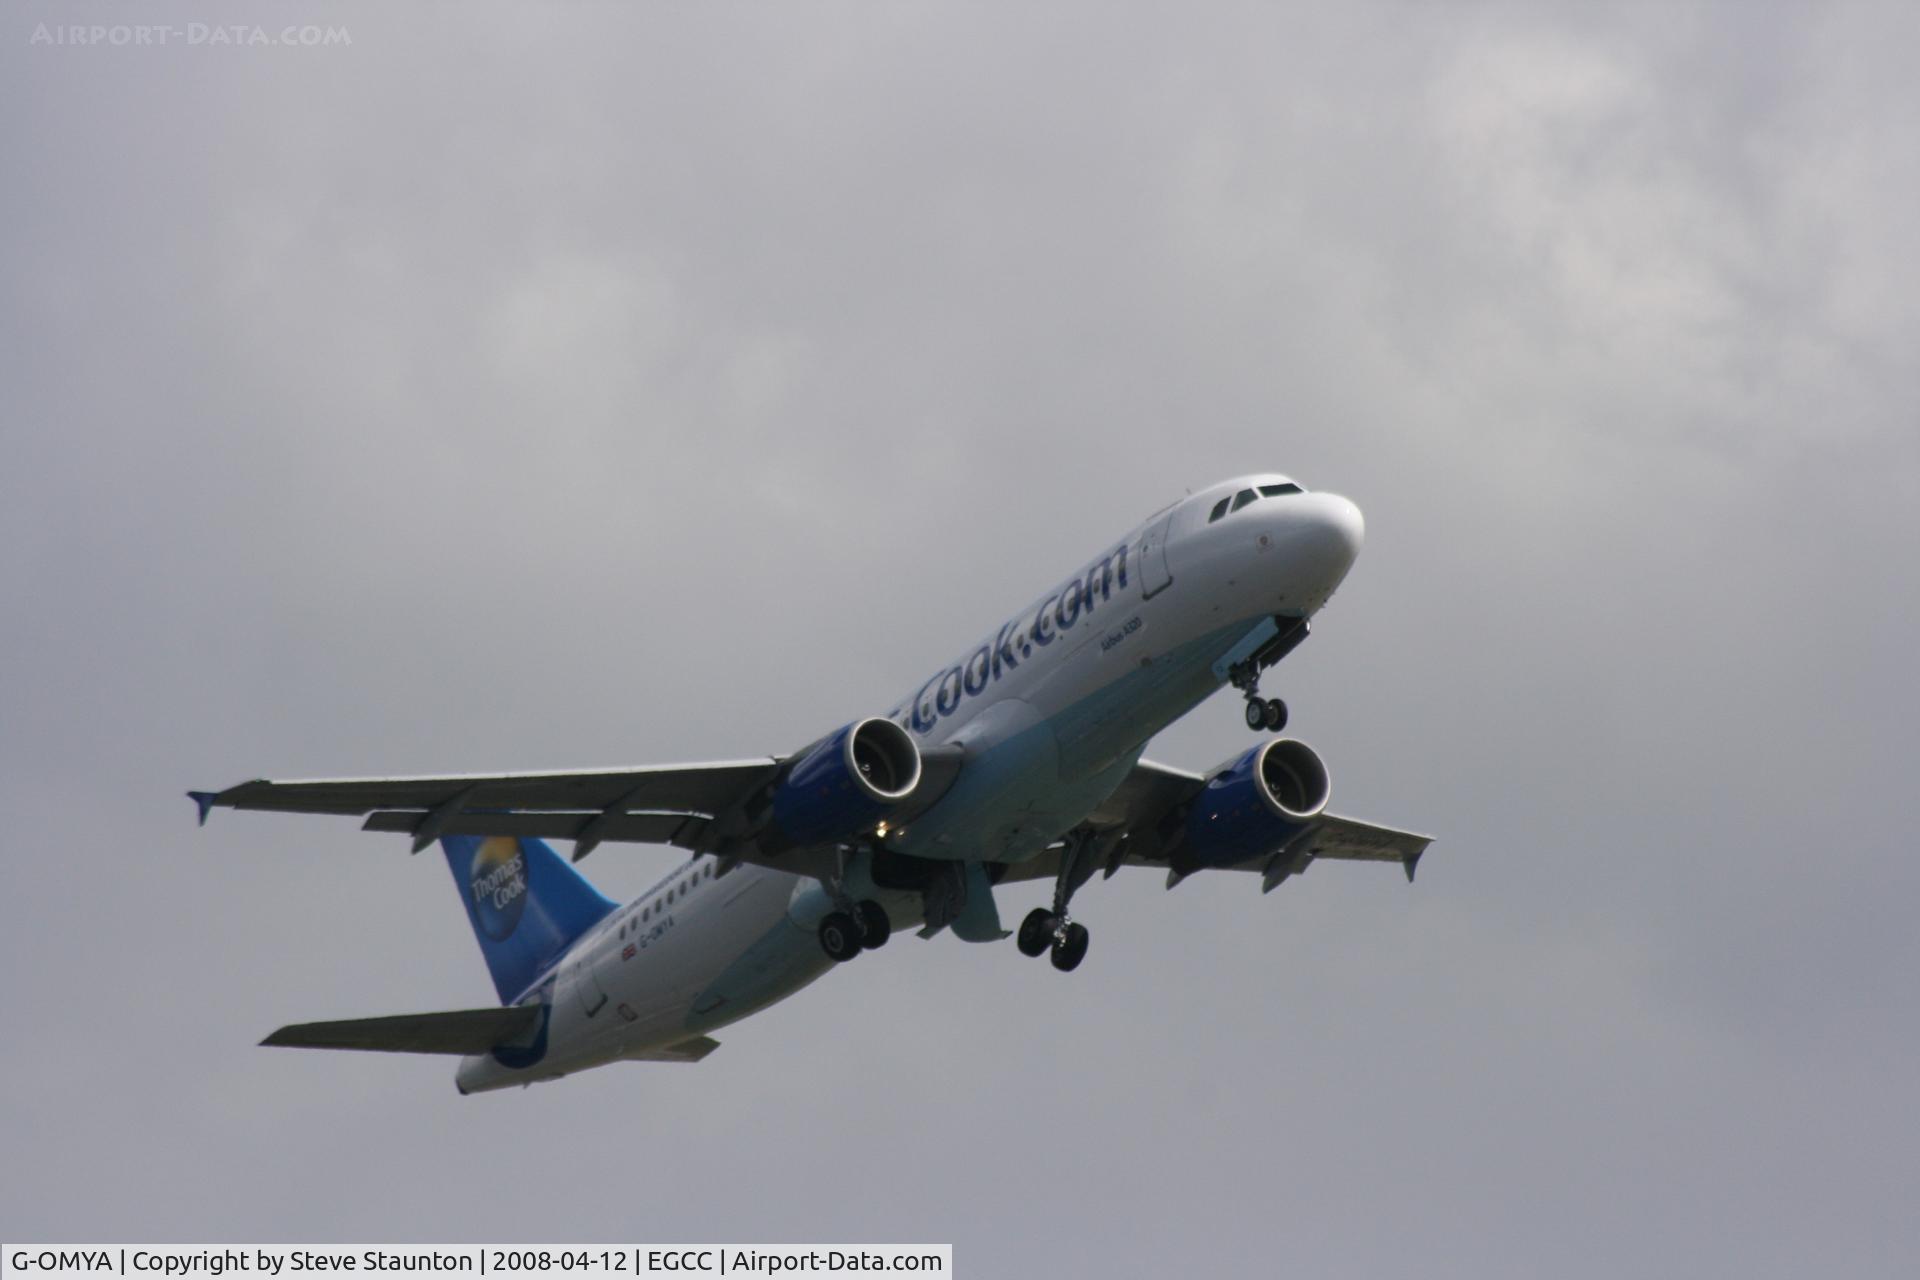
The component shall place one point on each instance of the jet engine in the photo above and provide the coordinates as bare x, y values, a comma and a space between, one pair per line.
843, 784
1255, 805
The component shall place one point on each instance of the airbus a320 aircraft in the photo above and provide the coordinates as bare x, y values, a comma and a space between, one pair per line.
1018, 761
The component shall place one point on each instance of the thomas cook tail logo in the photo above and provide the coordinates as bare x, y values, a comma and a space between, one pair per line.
498, 882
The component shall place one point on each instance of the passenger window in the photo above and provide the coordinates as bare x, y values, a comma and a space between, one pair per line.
1275, 490
1219, 509
1242, 498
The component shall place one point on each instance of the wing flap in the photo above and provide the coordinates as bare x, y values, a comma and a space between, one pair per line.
638, 828
460, 1031
1350, 840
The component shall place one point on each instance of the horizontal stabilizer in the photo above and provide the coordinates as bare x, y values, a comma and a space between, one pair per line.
686, 1051
461, 1031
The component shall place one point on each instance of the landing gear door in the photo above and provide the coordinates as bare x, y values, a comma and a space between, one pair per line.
1155, 577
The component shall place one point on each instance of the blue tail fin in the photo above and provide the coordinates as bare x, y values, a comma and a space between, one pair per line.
526, 905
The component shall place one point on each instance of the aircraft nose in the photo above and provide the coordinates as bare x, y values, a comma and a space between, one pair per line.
1334, 529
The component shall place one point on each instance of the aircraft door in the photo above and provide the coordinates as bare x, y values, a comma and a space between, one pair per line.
587, 988
1154, 574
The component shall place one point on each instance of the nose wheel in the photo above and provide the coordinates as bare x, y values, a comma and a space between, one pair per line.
1263, 714
1269, 714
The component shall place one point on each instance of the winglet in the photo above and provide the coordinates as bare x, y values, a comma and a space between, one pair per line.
1412, 862
204, 799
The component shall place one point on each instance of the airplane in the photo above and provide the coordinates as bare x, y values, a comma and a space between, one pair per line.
1018, 761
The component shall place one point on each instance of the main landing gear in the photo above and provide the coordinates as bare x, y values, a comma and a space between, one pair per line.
1269, 714
864, 927
1043, 929
1055, 930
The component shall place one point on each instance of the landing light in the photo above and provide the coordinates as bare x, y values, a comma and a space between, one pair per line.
881, 831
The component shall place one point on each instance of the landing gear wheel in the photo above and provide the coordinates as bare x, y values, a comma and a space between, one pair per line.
1256, 714
875, 928
1036, 932
1275, 714
1070, 949
840, 936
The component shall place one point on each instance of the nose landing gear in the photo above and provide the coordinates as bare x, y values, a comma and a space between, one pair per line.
1269, 714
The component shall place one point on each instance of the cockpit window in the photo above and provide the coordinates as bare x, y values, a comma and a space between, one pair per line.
1227, 506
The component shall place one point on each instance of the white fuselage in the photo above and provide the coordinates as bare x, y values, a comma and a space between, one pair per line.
1052, 709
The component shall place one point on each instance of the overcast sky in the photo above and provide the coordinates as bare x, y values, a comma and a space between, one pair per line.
529, 386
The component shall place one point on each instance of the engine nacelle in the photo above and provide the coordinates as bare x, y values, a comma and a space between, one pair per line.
1255, 805
844, 785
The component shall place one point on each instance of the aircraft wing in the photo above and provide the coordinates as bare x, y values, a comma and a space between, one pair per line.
461, 1031
1145, 795
706, 808
1133, 826
687, 787
1330, 836
670, 804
